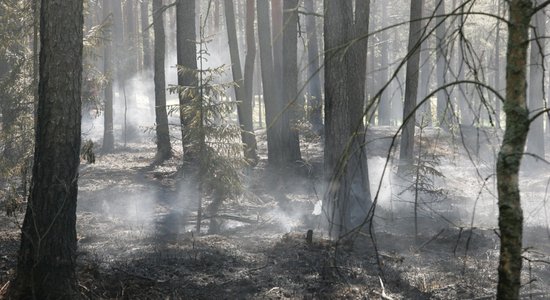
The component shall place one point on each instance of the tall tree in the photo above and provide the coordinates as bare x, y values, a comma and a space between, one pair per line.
108, 130
145, 33
535, 141
444, 107
411, 84
47, 255
186, 37
267, 69
249, 70
510, 220
244, 106
384, 108
164, 149
292, 104
314, 104
345, 162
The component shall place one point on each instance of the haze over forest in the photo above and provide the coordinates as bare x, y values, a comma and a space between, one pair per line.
282, 149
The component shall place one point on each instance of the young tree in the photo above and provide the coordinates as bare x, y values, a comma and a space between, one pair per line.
510, 221
47, 255
186, 37
108, 131
244, 107
411, 85
164, 149
314, 104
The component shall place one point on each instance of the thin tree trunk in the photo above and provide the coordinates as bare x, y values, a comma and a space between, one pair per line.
510, 221
270, 100
444, 106
411, 86
497, 84
384, 108
293, 105
244, 108
108, 133
146, 40
314, 99
248, 101
164, 149
47, 255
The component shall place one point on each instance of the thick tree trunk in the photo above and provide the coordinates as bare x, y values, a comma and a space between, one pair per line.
314, 99
510, 221
270, 100
244, 107
108, 131
47, 256
292, 105
411, 86
164, 149
145, 32
535, 140
187, 59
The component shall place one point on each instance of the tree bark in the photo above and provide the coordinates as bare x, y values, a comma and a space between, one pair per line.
315, 98
510, 221
444, 106
411, 86
244, 106
108, 131
164, 149
47, 255
292, 105
186, 37
384, 108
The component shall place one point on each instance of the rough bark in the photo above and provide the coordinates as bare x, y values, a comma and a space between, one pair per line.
244, 107
164, 149
108, 131
314, 99
187, 59
47, 255
411, 86
292, 104
510, 219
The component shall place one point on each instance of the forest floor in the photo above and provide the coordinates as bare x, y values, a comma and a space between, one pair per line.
136, 240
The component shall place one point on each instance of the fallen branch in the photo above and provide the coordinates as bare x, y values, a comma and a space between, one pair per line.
430, 240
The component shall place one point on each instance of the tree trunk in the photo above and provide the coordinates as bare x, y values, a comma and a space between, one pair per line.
244, 107
293, 106
164, 149
146, 40
47, 255
248, 100
130, 37
510, 221
411, 86
347, 198
268, 83
108, 131
535, 140
384, 108
314, 104
444, 106
187, 59
497, 83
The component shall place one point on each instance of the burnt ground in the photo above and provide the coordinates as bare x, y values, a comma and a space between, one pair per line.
136, 240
